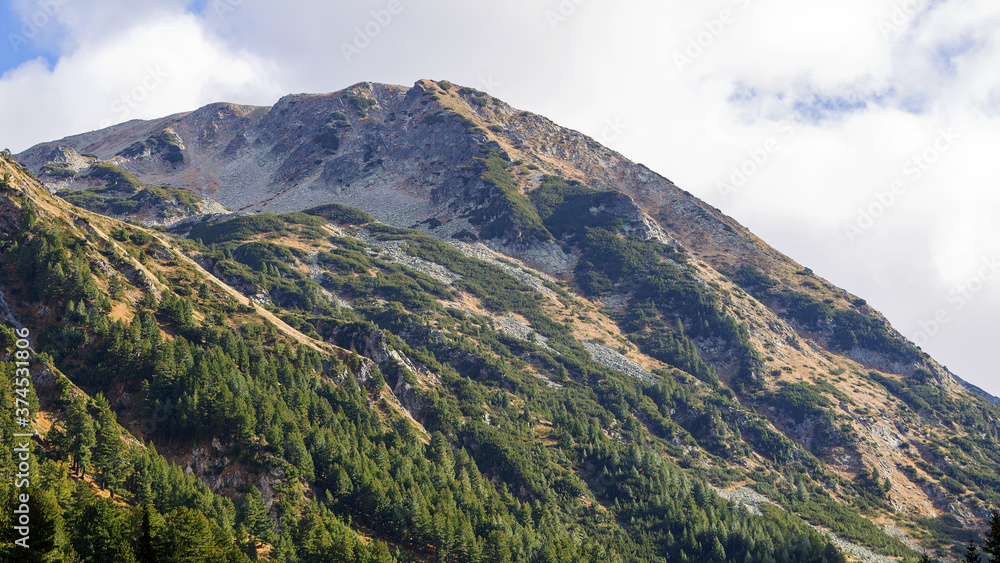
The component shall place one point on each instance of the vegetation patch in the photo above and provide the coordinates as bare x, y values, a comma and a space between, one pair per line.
151, 199
115, 178
509, 213
238, 228
165, 143
58, 170
847, 328
341, 214
361, 103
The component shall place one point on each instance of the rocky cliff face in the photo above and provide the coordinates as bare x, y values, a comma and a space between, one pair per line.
408, 156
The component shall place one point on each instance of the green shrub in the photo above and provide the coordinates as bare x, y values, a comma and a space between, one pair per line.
115, 178
58, 170
511, 214
361, 103
328, 139
341, 214
753, 280
800, 400
240, 228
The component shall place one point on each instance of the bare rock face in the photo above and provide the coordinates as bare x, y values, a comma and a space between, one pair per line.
405, 155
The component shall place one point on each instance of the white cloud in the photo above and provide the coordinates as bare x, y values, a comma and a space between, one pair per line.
165, 64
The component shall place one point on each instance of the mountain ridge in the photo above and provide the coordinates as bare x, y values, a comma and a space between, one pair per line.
611, 252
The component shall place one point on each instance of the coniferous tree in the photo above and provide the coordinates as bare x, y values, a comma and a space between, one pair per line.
187, 536
312, 540
497, 548
718, 552
253, 515
110, 452
991, 540
46, 537
972, 554
80, 435
95, 526
145, 552
468, 548
440, 452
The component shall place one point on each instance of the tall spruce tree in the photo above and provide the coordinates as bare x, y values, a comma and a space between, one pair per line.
144, 551
991, 540
110, 452
253, 515
972, 554
80, 436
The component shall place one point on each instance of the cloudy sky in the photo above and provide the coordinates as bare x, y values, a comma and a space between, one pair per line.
856, 136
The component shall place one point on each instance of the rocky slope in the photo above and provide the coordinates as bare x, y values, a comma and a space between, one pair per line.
879, 425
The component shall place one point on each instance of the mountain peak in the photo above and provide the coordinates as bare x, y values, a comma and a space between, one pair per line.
482, 264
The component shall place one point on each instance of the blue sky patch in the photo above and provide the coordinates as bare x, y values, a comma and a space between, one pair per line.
819, 107
17, 44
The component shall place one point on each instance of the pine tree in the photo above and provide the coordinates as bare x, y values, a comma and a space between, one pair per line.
497, 548
468, 548
46, 528
718, 552
187, 536
991, 540
79, 435
972, 554
109, 454
440, 453
253, 515
144, 552
142, 482
312, 541
95, 526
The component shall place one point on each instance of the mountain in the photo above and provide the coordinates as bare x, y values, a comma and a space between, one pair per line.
415, 323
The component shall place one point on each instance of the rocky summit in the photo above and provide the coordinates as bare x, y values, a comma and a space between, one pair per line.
404, 324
